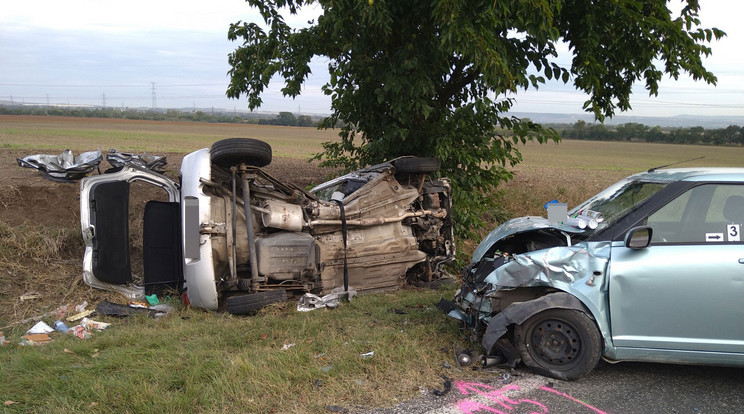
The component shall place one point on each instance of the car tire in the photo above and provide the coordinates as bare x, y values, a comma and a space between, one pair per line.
233, 151
559, 343
417, 165
252, 302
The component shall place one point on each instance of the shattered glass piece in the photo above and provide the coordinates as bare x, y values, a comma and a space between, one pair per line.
458, 314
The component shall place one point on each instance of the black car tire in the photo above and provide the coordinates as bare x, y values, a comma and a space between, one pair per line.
417, 165
559, 343
252, 302
233, 151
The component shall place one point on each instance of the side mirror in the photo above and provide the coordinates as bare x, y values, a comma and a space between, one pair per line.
638, 237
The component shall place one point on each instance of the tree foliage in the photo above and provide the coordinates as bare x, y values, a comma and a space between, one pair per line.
437, 78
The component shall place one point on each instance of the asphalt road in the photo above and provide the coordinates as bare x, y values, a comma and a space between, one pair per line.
625, 388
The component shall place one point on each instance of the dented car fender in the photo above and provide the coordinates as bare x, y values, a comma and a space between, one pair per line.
519, 312
576, 275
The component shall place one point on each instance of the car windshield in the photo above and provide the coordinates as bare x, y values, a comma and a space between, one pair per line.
344, 185
617, 200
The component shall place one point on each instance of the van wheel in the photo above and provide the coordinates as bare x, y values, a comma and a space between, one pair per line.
559, 343
246, 304
233, 151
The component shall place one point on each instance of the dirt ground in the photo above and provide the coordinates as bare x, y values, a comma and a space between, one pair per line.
31, 201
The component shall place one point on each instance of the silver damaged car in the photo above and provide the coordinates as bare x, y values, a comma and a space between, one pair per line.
234, 237
651, 269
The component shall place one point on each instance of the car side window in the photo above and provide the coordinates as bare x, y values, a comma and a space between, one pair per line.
708, 213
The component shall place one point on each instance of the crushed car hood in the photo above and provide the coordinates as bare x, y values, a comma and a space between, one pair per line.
553, 266
516, 226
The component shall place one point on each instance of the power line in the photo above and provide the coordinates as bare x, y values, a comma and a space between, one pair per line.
44, 85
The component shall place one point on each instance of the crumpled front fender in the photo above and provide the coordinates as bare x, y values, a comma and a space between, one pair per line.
519, 312
579, 272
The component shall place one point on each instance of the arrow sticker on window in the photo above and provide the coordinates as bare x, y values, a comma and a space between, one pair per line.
714, 237
733, 233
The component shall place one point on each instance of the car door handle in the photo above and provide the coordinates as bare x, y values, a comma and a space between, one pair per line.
741, 261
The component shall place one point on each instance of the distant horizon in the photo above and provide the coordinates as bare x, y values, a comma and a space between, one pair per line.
677, 120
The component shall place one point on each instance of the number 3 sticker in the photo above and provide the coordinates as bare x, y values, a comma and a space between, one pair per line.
732, 230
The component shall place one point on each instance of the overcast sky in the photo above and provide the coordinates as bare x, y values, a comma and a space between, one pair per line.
124, 54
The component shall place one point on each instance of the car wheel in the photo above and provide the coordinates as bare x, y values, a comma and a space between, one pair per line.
245, 304
417, 165
233, 151
560, 343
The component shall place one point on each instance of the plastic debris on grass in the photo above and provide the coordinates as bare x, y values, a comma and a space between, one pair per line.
39, 333
152, 299
90, 324
61, 327
35, 339
80, 315
80, 331
40, 328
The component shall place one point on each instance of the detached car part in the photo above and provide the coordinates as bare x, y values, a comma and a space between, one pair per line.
65, 167
151, 162
238, 238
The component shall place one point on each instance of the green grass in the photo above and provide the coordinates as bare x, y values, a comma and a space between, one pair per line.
194, 361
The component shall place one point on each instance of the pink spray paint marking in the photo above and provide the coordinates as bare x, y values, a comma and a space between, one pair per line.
596, 410
505, 404
495, 395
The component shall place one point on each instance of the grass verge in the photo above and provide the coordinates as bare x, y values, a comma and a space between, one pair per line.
39, 260
194, 361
